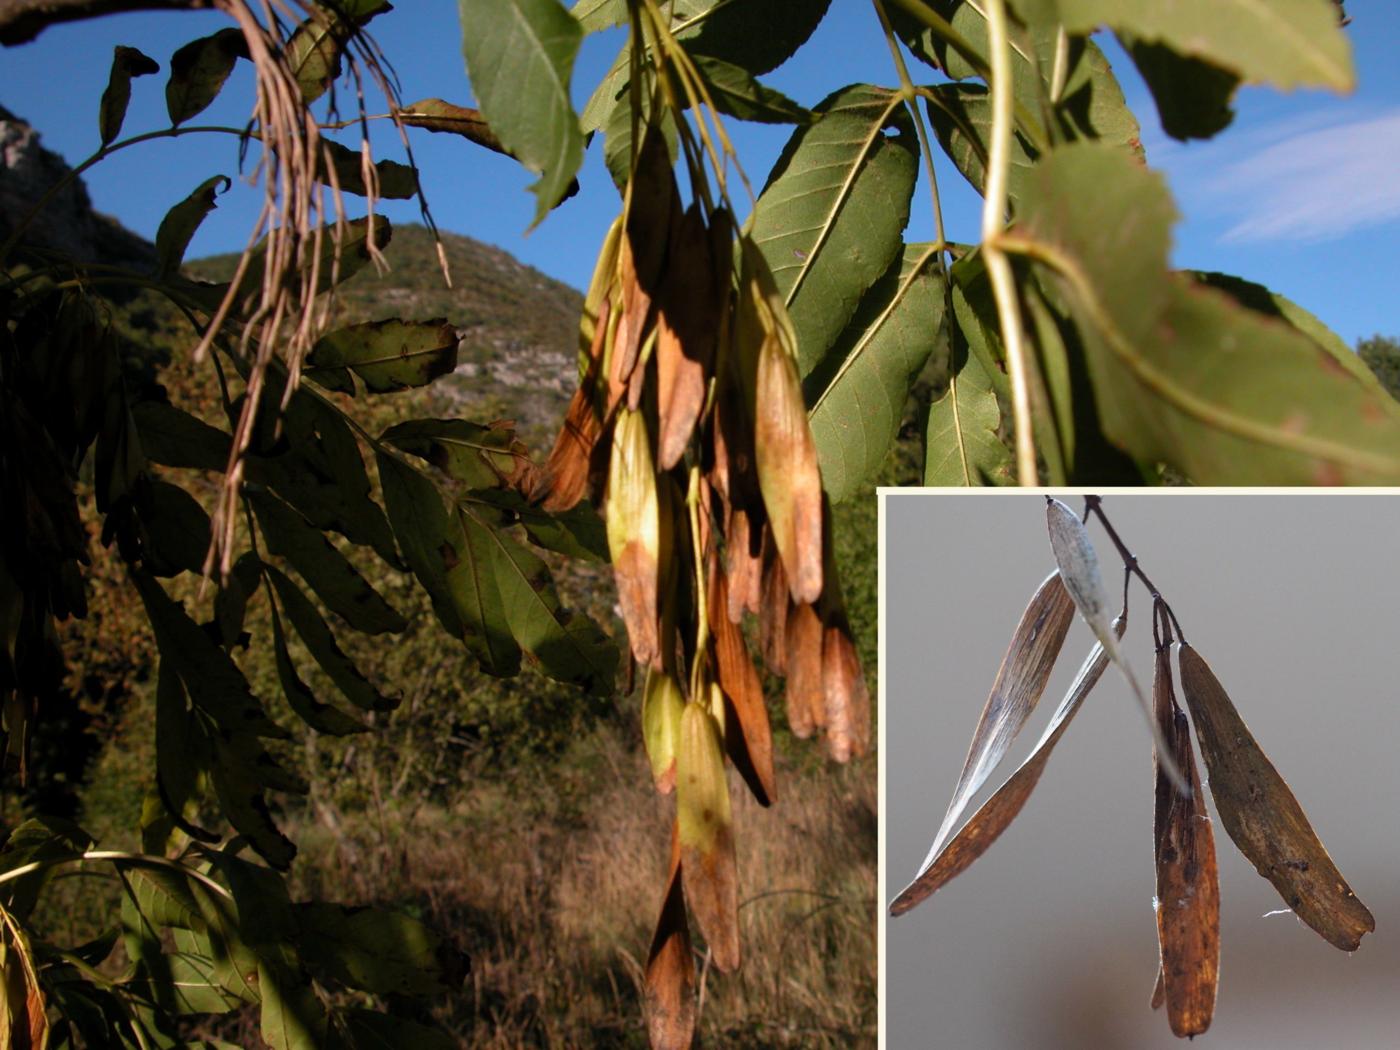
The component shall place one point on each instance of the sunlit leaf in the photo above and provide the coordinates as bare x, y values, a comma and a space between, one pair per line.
1287, 43
387, 355
738, 93
829, 221
1182, 374
520, 56
857, 395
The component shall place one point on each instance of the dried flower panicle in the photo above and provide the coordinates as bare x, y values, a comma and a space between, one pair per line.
1255, 805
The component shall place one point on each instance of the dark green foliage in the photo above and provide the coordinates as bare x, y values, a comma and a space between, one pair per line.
1382, 356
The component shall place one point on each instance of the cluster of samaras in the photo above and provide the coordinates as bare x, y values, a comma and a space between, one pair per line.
690, 428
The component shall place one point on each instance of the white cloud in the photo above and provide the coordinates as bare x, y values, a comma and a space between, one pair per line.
1299, 180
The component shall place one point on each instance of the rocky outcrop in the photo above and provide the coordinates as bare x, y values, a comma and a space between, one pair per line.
67, 223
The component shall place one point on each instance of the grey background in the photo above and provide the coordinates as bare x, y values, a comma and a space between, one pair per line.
1048, 941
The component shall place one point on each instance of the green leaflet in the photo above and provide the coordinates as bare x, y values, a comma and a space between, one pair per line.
387, 355
163, 896
216, 685
578, 532
738, 93
198, 72
394, 181
373, 949
1192, 96
756, 36
480, 457
182, 752
319, 470
185, 984
177, 529
829, 221
38, 839
127, 62
315, 49
453, 566
962, 443
961, 116
1183, 374
329, 573
569, 646
857, 395
593, 15
242, 801
293, 1017
321, 643
1287, 43
181, 222
1270, 304
172, 437
324, 718
520, 56
1090, 105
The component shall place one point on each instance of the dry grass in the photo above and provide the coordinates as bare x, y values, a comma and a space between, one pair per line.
551, 887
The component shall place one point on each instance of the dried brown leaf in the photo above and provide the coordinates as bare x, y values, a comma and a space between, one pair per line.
1079, 568
634, 533
773, 612
743, 565
566, 472
1188, 885
788, 473
687, 327
806, 696
670, 974
846, 699
996, 814
747, 735
1262, 816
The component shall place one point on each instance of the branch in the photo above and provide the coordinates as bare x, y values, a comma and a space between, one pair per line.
22, 20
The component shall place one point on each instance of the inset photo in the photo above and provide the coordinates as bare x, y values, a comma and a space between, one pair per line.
1139, 770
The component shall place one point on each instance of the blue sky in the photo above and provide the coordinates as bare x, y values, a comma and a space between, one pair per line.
1301, 193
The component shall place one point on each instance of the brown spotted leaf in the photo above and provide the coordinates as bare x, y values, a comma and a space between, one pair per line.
1263, 818
1188, 885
